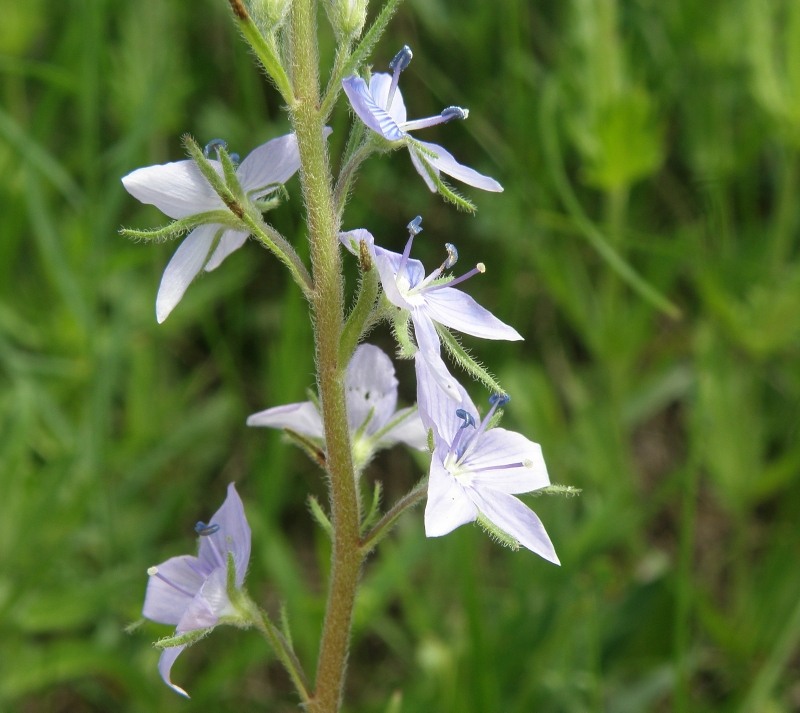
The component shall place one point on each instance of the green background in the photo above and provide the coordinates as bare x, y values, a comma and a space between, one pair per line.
662, 134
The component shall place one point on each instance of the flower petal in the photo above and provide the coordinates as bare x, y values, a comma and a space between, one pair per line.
515, 518
456, 309
495, 450
448, 506
373, 115
430, 351
166, 603
371, 389
269, 165
165, 662
232, 536
437, 406
188, 260
177, 189
379, 85
230, 241
445, 162
301, 417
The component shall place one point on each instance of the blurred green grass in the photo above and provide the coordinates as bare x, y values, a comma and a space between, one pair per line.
670, 130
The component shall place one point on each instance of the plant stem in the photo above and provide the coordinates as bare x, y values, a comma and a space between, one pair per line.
327, 303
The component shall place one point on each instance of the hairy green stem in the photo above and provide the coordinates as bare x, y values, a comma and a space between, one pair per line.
328, 310
384, 526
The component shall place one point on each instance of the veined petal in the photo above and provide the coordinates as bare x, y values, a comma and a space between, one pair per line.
371, 389
165, 603
456, 309
445, 162
300, 417
229, 242
497, 448
387, 269
232, 536
430, 351
165, 662
188, 260
379, 85
373, 115
177, 189
515, 518
269, 165
448, 506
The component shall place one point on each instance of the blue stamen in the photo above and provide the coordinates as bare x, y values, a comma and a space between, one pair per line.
401, 60
415, 226
214, 145
479, 268
454, 112
452, 256
205, 530
499, 400
466, 417
235, 159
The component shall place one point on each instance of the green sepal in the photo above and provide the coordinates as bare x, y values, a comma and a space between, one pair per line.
363, 316
462, 357
374, 508
401, 322
229, 172
217, 182
183, 225
555, 489
319, 515
185, 639
447, 192
498, 535
134, 626
308, 446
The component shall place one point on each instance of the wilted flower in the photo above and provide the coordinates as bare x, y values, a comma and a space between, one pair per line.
380, 106
191, 592
372, 415
476, 470
180, 190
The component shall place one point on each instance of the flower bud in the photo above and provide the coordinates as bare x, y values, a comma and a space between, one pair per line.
347, 18
269, 14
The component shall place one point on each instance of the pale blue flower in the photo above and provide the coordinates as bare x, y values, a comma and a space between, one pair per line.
431, 299
372, 414
476, 470
380, 106
191, 592
180, 190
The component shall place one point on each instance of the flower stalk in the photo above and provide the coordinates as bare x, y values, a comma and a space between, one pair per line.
327, 304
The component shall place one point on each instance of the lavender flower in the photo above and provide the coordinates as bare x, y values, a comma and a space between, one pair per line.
431, 299
380, 106
180, 190
191, 592
372, 414
476, 470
